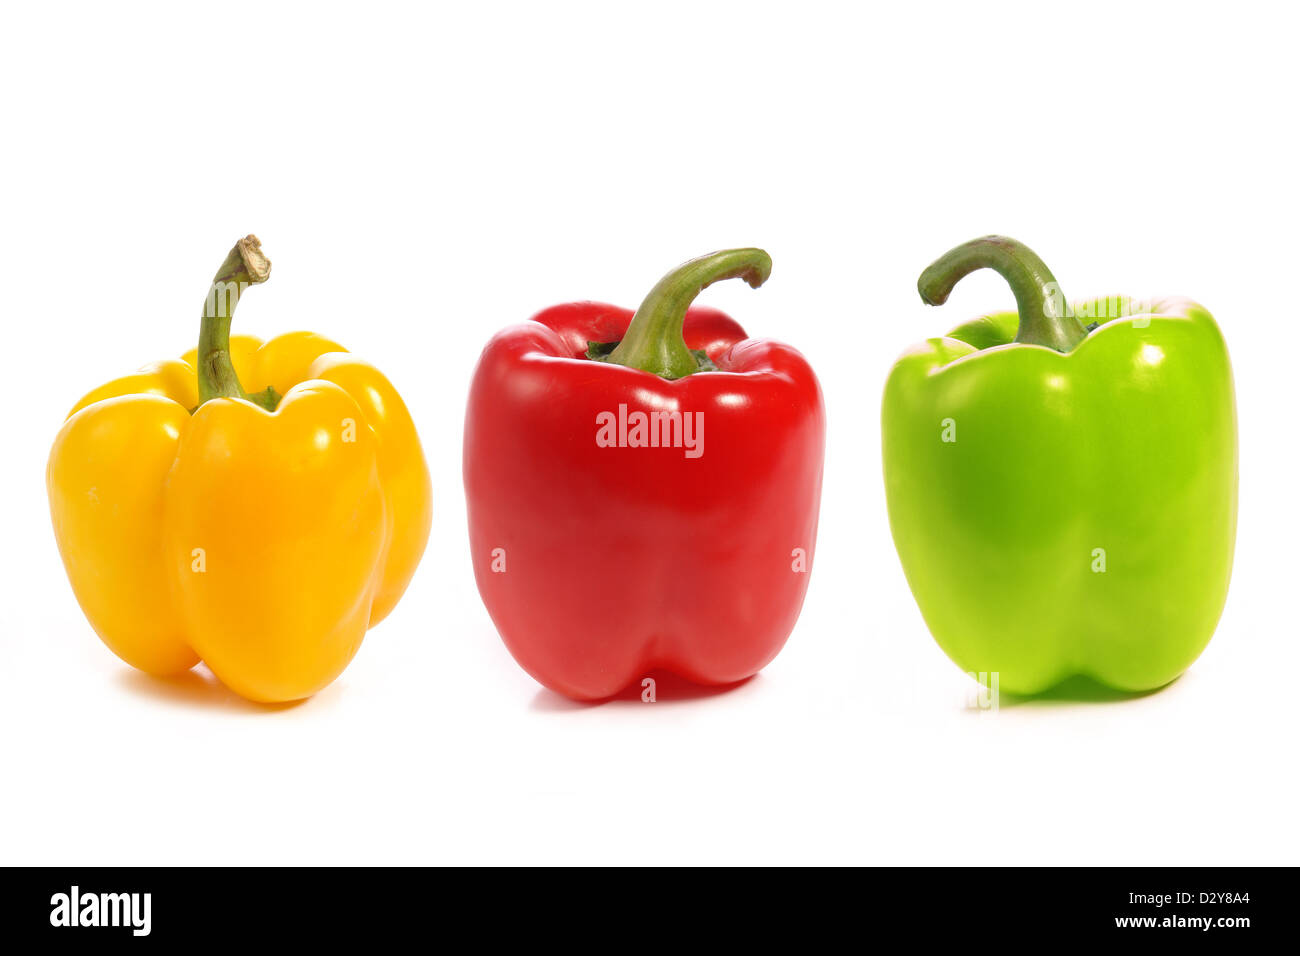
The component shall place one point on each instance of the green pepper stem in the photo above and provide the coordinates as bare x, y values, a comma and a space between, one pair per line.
244, 266
654, 340
1045, 318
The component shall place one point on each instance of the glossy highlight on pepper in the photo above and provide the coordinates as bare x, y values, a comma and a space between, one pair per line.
261, 532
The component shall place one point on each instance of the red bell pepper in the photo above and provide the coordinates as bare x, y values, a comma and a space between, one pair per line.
643, 489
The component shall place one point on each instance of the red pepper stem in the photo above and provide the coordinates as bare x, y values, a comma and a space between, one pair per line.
654, 340
1045, 317
244, 266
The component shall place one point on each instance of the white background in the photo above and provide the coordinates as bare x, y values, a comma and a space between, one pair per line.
424, 177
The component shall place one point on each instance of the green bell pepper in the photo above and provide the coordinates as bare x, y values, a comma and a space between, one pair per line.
1062, 480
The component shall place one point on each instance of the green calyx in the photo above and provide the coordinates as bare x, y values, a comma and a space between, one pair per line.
244, 266
601, 351
1044, 315
654, 341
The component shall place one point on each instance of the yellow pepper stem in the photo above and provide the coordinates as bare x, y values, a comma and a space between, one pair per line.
244, 266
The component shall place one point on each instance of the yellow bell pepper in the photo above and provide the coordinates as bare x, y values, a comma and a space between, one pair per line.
260, 534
